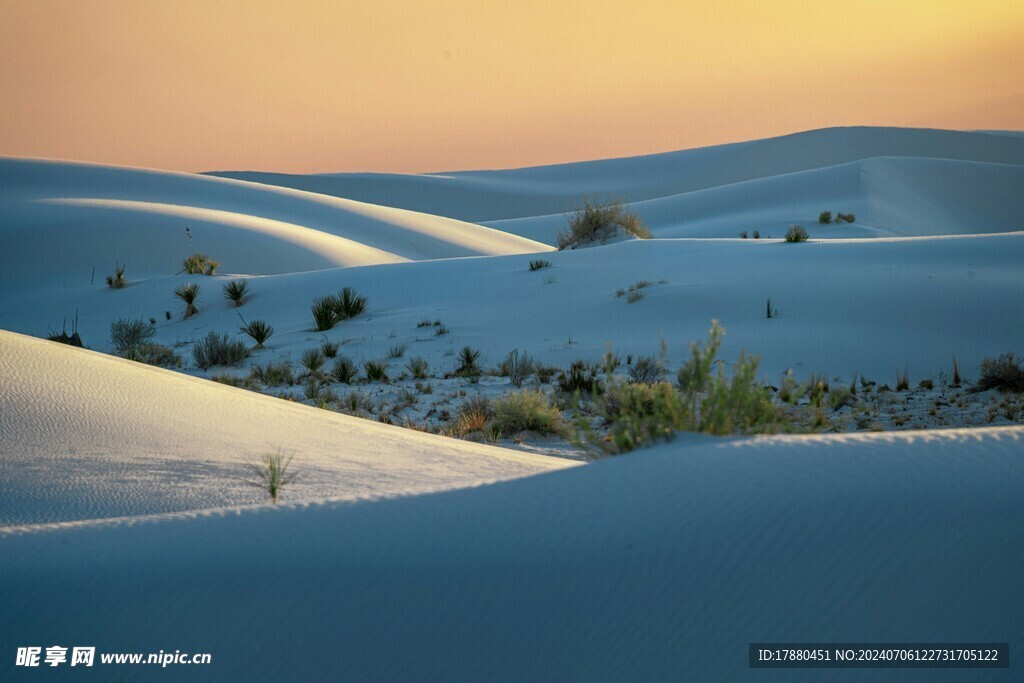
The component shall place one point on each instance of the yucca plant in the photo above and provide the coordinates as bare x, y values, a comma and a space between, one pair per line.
259, 330
344, 370
796, 233
349, 304
200, 264
312, 360
235, 291
418, 367
188, 293
117, 280
468, 357
273, 474
376, 370
272, 375
539, 264
398, 350
330, 349
325, 313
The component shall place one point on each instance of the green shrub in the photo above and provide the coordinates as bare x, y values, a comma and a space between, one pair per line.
376, 370
1004, 373
468, 367
117, 280
736, 403
647, 370
825, 217
639, 414
273, 474
188, 293
154, 354
596, 221
348, 303
539, 264
126, 334
235, 291
325, 313
344, 370
757, 235
903, 380
634, 296
329, 348
796, 233
218, 349
200, 264
398, 350
418, 367
694, 375
528, 410
271, 374
580, 380
259, 330
313, 360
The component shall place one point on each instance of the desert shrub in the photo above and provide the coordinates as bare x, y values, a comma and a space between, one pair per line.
418, 367
235, 291
199, 264
188, 292
825, 217
313, 360
427, 322
440, 329
117, 280
634, 296
736, 403
344, 370
517, 366
903, 380
398, 350
356, 403
348, 303
154, 354
596, 221
579, 380
796, 233
743, 235
770, 311
528, 410
273, 474
127, 335
259, 330
847, 217
789, 391
646, 370
756, 235
539, 264
329, 348
1004, 373
926, 384
325, 313
639, 414
473, 416
839, 398
957, 379
376, 370
693, 376
272, 374
468, 358
217, 349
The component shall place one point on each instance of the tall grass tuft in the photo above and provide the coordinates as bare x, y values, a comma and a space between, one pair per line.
344, 370
313, 360
796, 233
218, 349
117, 280
596, 221
329, 348
468, 367
235, 291
903, 380
325, 313
517, 366
199, 264
418, 367
538, 264
188, 292
376, 370
528, 410
259, 330
1004, 373
348, 303
273, 474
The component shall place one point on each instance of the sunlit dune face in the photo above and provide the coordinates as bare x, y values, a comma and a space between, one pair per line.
314, 86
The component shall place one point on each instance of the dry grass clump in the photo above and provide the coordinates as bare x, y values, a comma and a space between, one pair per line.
595, 221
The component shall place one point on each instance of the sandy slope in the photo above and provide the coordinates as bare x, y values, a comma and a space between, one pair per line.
495, 195
59, 219
83, 435
661, 565
845, 306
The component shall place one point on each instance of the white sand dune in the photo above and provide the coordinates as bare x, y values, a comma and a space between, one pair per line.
546, 190
59, 219
662, 565
871, 306
84, 436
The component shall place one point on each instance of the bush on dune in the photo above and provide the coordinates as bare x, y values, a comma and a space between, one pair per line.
1004, 373
199, 264
529, 410
597, 221
218, 349
796, 233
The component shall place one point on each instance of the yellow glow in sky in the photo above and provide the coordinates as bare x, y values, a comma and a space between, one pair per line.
316, 86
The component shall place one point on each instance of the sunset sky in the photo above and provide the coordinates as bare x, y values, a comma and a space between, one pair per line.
315, 86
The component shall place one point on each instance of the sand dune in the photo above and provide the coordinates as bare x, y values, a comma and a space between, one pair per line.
87, 436
519, 193
63, 218
663, 565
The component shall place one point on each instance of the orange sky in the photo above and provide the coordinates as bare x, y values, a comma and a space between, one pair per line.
316, 86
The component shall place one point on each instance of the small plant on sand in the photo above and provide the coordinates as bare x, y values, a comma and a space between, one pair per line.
127, 334
903, 380
313, 360
398, 350
528, 410
473, 417
376, 370
218, 349
517, 366
199, 264
273, 474
957, 379
639, 414
579, 380
235, 291
647, 370
1004, 373
468, 358
117, 280
796, 233
634, 296
418, 367
329, 348
694, 375
743, 235
756, 235
770, 311
845, 217
825, 217
595, 221
272, 374
259, 330
188, 293
348, 303
325, 313
539, 264
344, 370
